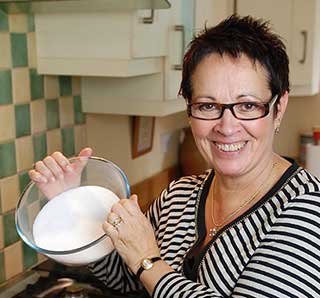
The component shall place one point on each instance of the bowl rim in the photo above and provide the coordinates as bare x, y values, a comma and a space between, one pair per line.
74, 250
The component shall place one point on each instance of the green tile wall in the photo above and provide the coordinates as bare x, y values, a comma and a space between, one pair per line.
30, 257
78, 115
19, 51
36, 123
36, 85
23, 180
10, 232
5, 86
39, 146
65, 85
4, 23
31, 26
7, 160
22, 116
68, 141
52, 110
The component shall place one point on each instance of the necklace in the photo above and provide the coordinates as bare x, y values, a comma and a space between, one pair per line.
215, 228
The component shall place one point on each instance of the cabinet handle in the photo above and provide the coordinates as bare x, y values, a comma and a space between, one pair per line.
180, 28
305, 40
149, 20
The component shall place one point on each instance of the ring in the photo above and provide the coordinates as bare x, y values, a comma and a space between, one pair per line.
116, 222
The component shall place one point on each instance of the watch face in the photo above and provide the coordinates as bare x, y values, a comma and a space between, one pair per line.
147, 264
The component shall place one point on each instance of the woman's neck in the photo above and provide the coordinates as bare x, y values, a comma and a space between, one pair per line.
231, 192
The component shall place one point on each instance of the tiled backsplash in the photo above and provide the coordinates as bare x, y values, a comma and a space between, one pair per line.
38, 115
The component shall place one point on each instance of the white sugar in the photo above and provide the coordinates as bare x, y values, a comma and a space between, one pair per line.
74, 219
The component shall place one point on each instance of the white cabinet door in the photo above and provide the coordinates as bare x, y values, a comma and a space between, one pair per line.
111, 44
210, 12
149, 95
297, 22
181, 31
149, 34
305, 51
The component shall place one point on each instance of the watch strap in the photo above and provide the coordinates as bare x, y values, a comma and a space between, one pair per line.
141, 269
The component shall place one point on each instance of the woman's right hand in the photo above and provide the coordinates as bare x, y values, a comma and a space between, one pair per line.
55, 174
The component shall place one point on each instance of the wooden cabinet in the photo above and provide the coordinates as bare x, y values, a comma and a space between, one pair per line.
297, 21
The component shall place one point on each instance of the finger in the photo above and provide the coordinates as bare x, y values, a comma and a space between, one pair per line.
115, 220
112, 216
62, 161
110, 231
37, 177
54, 167
122, 211
130, 205
134, 198
43, 170
86, 152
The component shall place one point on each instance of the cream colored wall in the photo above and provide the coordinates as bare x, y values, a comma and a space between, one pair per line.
302, 113
111, 136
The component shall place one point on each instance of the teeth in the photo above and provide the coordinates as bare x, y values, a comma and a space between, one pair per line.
230, 147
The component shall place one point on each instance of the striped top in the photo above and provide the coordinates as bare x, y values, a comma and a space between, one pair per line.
273, 250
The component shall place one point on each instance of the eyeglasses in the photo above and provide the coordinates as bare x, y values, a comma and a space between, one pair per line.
242, 110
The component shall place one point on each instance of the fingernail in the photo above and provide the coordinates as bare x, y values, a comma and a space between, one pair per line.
52, 179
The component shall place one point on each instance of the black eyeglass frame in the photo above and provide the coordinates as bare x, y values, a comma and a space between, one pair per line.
268, 105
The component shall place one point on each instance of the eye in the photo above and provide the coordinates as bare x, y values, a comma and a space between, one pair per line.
249, 106
207, 107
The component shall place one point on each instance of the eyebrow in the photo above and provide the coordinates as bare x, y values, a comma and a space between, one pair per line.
215, 99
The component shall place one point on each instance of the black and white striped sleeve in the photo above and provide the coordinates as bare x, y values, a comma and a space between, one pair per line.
287, 263
114, 273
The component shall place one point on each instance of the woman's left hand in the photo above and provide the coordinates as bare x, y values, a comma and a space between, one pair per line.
131, 233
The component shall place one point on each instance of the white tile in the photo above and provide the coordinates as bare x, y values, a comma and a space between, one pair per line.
7, 123
51, 87
76, 85
80, 137
13, 263
1, 232
18, 23
54, 141
21, 85
38, 116
32, 53
9, 193
24, 153
66, 111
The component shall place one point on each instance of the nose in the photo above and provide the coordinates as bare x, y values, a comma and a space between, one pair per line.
228, 124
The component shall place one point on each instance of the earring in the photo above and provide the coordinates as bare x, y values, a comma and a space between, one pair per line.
277, 129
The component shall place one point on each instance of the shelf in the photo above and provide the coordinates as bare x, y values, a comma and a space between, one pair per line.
79, 6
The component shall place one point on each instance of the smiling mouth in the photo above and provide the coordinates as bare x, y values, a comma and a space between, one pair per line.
230, 147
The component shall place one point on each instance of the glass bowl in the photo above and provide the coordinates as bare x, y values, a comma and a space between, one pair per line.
97, 173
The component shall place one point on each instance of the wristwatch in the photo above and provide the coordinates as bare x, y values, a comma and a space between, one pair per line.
146, 264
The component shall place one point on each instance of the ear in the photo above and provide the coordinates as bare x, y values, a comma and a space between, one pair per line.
282, 106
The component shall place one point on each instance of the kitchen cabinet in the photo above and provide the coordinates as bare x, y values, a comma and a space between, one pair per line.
153, 94
113, 43
211, 12
297, 21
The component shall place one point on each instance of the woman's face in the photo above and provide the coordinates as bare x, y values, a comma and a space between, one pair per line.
234, 147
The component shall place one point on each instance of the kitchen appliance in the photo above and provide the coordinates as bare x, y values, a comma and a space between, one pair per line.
54, 280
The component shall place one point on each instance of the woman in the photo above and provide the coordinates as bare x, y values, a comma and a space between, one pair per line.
248, 228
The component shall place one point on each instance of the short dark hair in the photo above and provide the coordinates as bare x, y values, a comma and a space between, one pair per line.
235, 36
